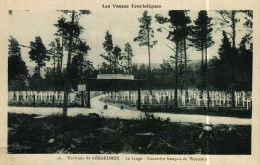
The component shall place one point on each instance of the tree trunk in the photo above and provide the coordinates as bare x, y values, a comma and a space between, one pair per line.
202, 65
110, 63
176, 76
181, 69
58, 55
117, 64
139, 94
186, 68
128, 62
128, 69
233, 66
88, 86
207, 77
61, 60
38, 82
233, 29
54, 59
67, 83
82, 98
150, 68
110, 66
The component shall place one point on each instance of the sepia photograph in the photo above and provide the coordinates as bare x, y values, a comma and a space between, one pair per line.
167, 82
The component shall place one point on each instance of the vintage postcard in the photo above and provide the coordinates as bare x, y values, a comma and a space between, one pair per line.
129, 82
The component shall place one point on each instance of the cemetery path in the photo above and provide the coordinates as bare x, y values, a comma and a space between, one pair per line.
97, 107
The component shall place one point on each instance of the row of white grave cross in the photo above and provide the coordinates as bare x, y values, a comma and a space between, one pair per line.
44, 96
159, 97
189, 98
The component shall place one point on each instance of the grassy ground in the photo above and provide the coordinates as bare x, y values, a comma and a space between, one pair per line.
97, 135
213, 111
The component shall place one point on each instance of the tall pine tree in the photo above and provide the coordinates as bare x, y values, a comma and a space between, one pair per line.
17, 69
201, 38
177, 33
129, 55
108, 46
38, 53
144, 38
70, 32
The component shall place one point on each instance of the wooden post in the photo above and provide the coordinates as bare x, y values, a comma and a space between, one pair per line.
247, 104
33, 100
166, 106
236, 101
82, 98
52, 99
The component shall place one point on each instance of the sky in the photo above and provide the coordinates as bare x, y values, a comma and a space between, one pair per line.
122, 24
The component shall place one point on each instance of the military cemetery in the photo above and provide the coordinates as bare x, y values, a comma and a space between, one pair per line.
160, 82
